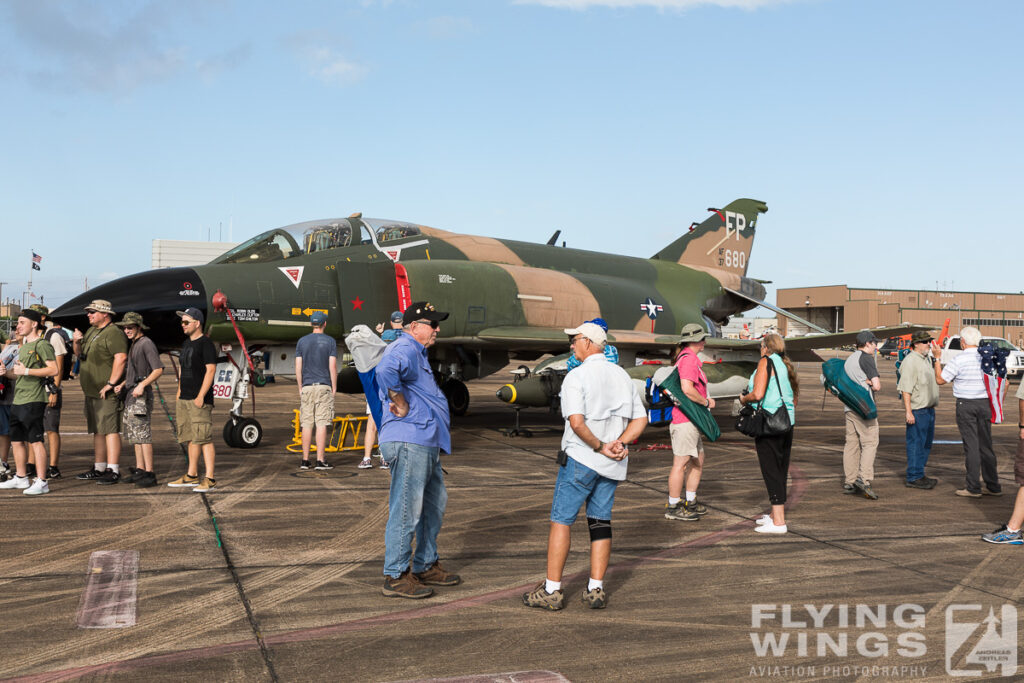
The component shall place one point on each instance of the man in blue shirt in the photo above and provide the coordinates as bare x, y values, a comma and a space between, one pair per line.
391, 334
414, 430
316, 372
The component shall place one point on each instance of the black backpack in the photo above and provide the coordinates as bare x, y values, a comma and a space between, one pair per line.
65, 373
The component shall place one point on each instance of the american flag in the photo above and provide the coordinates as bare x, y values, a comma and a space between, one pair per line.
36, 258
993, 368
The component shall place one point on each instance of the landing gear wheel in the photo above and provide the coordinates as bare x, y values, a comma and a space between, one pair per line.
260, 380
229, 433
248, 433
457, 395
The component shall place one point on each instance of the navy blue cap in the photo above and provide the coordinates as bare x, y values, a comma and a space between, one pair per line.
318, 318
193, 313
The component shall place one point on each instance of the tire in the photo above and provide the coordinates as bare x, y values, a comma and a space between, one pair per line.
260, 380
457, 395
248, 433
229, 434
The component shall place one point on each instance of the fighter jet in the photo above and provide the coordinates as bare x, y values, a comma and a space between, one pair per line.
509, 300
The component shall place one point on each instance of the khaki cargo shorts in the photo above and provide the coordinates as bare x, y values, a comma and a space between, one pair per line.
686, 440
316, 406
103, 415
195, 425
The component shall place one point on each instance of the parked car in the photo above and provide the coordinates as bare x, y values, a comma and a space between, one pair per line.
1014, 362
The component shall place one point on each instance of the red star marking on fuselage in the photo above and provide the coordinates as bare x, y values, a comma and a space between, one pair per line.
357, 304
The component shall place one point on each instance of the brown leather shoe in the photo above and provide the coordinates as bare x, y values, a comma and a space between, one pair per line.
437, 576
406, 586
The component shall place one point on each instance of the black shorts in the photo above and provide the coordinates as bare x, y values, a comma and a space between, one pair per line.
27, 422
51, 418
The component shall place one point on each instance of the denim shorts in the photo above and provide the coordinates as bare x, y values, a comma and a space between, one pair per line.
577, 484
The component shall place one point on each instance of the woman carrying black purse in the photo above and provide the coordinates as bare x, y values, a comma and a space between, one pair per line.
774, 386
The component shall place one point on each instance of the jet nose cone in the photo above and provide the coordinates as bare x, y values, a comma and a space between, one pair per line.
155, 294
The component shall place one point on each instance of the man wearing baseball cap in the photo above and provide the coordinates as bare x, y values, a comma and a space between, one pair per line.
391, 334
60, 341
193, 407
414, 431
603, 412
861, 434
316, 373
103, 352
920, 396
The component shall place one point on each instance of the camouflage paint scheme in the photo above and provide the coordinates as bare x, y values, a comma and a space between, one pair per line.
507, 299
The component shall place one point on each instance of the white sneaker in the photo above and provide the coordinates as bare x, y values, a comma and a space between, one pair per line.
365, 464
763, 519
15, 482
770, 527
38, 487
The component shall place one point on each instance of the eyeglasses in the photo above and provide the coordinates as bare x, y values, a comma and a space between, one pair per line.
576, 339
433, 323
187, 322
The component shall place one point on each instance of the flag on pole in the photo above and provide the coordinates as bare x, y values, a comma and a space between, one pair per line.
35, 266
36, 258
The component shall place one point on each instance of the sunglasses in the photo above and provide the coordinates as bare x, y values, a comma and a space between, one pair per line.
433, 323
187, 322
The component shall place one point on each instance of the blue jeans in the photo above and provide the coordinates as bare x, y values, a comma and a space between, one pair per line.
919, 442
416, 506
576, 484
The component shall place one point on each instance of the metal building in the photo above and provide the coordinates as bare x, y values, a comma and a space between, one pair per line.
841, 308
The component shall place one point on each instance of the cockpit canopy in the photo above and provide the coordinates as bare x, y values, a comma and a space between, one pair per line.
313, 236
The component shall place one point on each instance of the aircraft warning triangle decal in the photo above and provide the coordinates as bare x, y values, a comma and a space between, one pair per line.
293, 273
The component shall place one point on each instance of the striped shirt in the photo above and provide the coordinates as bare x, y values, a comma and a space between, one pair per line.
964, 371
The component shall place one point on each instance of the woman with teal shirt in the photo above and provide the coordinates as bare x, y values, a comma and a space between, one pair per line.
773, 451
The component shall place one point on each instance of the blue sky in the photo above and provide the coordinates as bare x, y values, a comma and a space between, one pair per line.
885, 136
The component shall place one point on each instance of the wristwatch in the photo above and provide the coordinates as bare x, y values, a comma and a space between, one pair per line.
599, 447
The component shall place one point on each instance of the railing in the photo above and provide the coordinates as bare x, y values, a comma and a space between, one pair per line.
341, 430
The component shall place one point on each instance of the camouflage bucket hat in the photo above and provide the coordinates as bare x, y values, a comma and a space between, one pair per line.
132, 318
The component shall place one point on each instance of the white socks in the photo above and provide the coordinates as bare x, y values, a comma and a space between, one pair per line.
691, 496
673, 501
116, 469
552, 586
594, 583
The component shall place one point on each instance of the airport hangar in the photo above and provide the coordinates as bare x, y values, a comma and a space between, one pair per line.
839, 308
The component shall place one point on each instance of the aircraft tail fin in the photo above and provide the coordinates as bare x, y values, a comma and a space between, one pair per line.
722, 242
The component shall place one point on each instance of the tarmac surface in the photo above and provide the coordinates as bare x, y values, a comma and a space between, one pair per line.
276, 575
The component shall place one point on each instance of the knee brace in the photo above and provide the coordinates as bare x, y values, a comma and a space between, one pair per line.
600, 529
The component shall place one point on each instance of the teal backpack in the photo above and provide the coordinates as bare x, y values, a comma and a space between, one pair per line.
853, 394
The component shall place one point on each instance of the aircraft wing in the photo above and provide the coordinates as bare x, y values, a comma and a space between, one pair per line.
545, 337
548, 338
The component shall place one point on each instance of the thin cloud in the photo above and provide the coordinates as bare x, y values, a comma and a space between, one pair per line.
446, 28
658, 4
102, 47
315, 49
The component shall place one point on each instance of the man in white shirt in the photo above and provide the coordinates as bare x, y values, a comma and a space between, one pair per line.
973, 415
603, 413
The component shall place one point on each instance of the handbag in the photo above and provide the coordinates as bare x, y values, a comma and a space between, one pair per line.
757, 422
